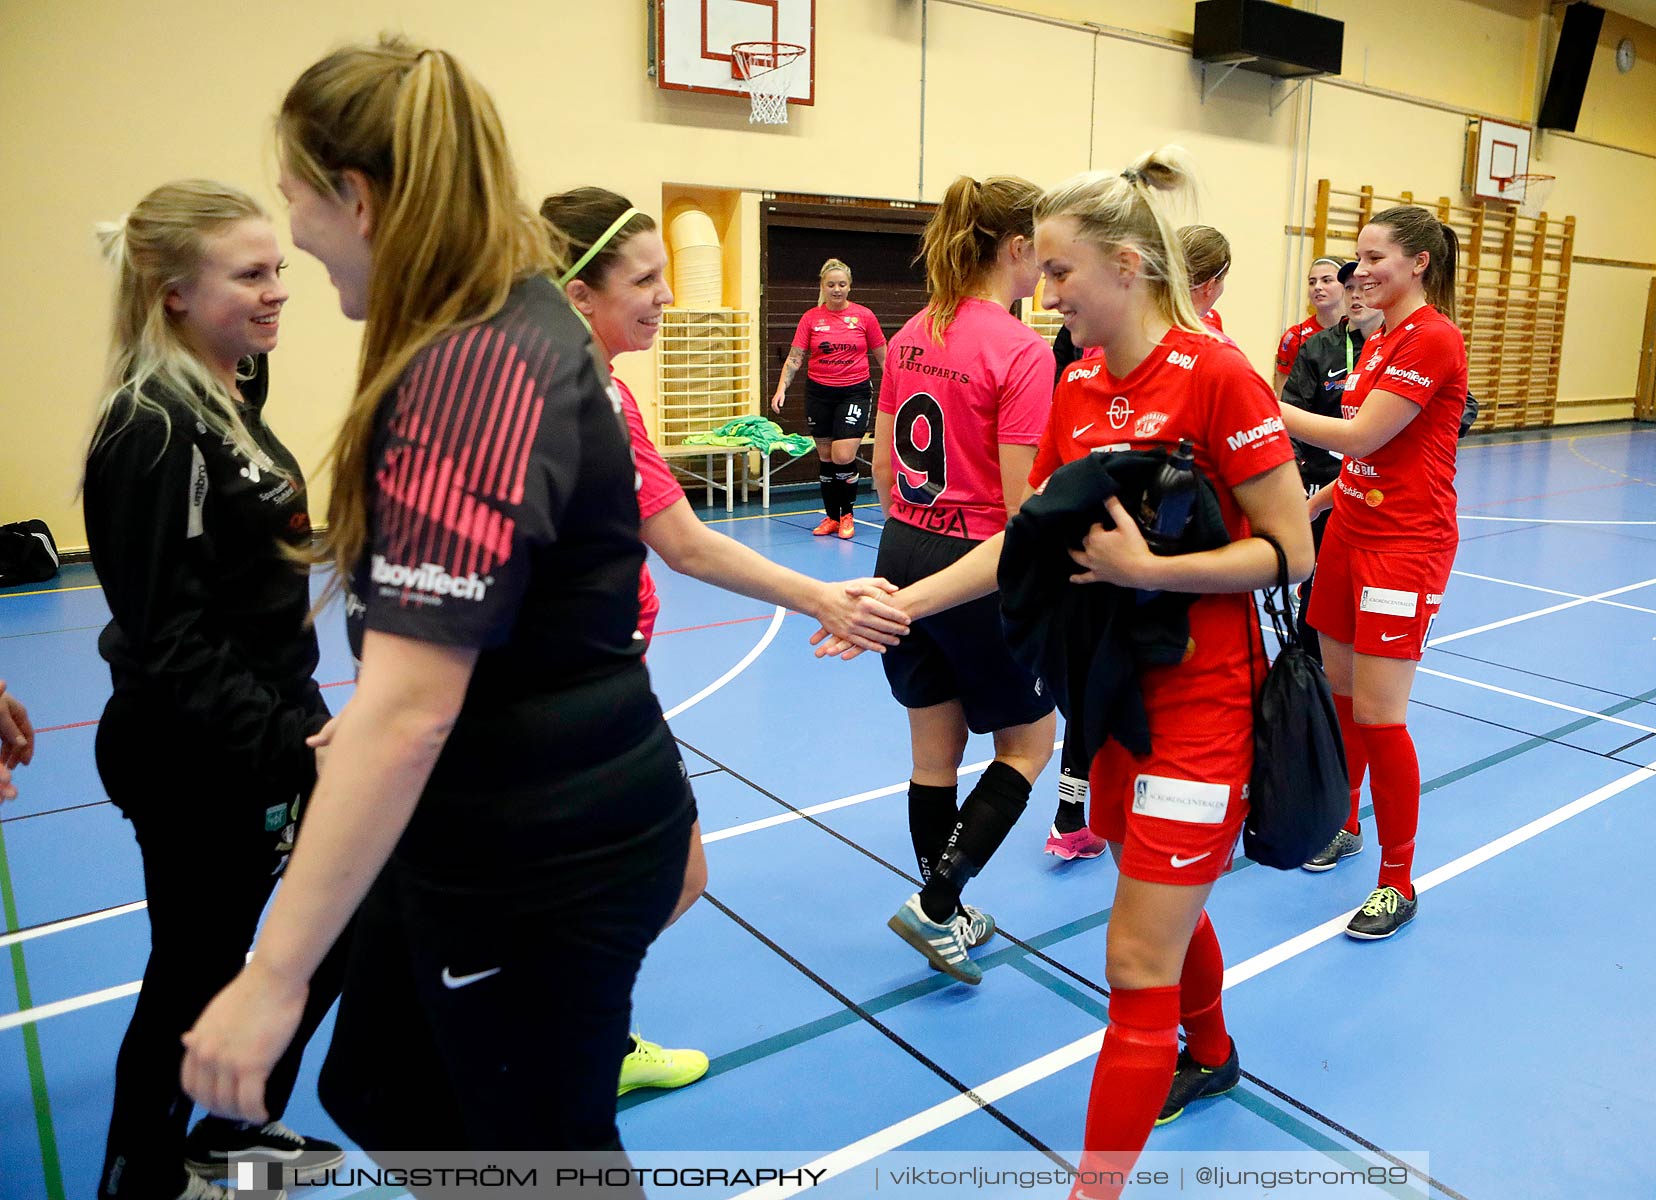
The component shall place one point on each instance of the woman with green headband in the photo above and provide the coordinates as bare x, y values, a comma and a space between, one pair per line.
618, 283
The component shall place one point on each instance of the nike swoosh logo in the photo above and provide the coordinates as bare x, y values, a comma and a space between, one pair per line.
1336, 371
1387, 864
1392, 637
460, 981
1075, 433
1185, 862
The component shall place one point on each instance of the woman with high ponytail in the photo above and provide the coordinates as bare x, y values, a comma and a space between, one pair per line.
1391, 538
1109, 248
965, 394
502, 796
195, 512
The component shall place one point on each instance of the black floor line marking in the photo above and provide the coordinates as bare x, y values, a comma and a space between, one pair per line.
1608, 756
1636, 741
76, 917
896, 870
889, 1033
1354, 1136
45, 632
1575, 683
1033, 953
53, 811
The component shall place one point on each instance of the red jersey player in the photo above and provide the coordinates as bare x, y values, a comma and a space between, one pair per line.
618, 283
835, 341
1391, 539
1327, 296
1114, 270
965, 395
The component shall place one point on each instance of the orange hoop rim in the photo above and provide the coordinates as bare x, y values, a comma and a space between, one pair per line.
779, 54
1505, 182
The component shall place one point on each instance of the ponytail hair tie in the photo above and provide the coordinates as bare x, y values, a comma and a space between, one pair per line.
1133, 176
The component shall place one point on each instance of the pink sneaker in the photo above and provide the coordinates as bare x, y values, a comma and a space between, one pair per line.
1083, 843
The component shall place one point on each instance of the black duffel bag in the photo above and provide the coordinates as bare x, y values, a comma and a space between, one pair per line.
1299, 796
27, 553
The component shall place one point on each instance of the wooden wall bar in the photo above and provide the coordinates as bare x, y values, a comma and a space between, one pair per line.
1514, 283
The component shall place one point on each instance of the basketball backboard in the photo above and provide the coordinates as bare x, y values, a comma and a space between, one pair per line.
692, 39
1495, 151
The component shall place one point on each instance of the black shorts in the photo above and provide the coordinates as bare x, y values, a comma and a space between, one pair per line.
487, 1004
959, 654
838, 412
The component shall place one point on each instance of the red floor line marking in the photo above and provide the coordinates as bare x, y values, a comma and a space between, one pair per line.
713, 625
55, 728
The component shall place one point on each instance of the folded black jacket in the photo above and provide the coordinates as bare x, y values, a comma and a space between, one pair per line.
1087, 641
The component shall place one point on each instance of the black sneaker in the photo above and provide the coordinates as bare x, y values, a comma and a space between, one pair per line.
215, 1144
1344, 845
1192, 1081
1385, 912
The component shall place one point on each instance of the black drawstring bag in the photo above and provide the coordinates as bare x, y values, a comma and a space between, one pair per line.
27, 553
1299, 796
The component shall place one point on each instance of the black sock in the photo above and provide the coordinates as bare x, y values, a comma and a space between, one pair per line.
986, 817
631, 1046
847, 478
933, 812
830, 488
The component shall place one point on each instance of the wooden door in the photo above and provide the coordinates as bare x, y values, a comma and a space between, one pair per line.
877, 242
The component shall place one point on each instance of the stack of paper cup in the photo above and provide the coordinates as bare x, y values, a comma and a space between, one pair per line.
698, 262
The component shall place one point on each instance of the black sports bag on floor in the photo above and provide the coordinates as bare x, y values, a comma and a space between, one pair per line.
27, 553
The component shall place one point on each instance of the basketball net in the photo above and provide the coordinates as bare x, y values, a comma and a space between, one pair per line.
1528, 192
767, 71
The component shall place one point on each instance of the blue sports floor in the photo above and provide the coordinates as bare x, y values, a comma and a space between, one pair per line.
1492, 1047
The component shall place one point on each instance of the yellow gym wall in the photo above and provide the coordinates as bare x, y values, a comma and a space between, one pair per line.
100, 102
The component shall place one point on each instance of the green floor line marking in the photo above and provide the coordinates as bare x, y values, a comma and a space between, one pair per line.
50, 1165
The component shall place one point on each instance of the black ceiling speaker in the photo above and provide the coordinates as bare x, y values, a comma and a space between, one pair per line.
1271, 39
1572, 62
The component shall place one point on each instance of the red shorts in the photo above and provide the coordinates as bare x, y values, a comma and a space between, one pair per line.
1379, 602
1178, 810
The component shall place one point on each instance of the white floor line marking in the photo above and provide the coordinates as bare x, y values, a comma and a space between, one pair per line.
770, 636
1569, 708
934, 1118
719, 835
57, 1008
1540, 612
24, 935
1550, 591
1545, 521
870, 524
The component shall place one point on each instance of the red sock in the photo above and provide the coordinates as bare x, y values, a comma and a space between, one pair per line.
1356, 756
1130, 1082
1394, 781
1200, 1010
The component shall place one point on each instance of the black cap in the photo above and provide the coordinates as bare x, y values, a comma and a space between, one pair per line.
1346, 272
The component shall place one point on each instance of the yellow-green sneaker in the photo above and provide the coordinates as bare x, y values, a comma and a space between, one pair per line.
651, 1065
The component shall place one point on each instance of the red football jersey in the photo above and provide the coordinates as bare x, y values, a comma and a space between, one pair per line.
1403, 494
988, 384
1198, 387
1292, 339
657, 491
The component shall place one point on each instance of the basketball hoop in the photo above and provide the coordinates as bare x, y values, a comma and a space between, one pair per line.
766, 70
1528, 192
